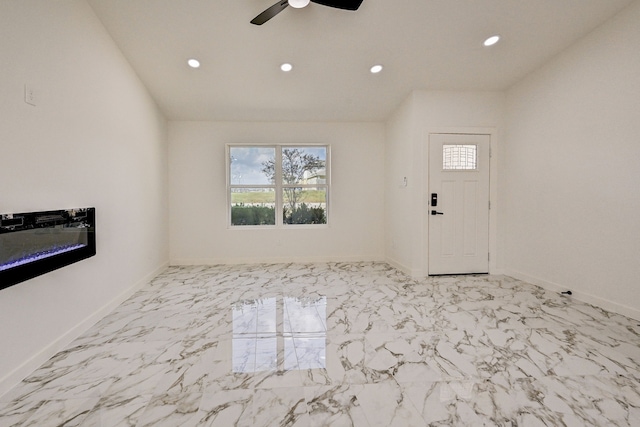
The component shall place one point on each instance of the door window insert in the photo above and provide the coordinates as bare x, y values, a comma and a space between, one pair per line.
459, 157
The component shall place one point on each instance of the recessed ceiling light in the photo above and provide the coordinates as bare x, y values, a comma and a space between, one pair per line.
491, 40
298, 4
376, 69
193, 63
286, 67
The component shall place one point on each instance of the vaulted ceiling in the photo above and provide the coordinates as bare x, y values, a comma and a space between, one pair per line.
422, 44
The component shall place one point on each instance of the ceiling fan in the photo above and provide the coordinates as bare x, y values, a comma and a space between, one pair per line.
282, 5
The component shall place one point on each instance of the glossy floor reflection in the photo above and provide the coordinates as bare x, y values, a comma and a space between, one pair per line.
356, 344
279, 334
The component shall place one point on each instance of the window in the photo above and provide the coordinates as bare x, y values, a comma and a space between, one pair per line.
459, 157
278, 185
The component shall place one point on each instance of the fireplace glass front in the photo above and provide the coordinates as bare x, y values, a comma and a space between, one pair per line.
35, 243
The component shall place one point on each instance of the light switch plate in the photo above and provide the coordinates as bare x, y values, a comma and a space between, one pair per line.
29, 95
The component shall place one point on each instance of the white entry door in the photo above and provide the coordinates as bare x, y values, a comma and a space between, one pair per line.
458, 203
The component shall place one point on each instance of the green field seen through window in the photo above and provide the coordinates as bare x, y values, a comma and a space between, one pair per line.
308, 196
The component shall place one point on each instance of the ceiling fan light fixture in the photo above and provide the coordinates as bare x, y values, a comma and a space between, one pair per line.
299, 4
491, 40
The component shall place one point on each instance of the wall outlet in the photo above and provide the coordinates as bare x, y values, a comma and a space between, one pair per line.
30, 95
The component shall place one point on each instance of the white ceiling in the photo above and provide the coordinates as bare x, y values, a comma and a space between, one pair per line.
423, 44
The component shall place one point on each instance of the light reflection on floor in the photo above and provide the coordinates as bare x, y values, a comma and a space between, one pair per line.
282, 334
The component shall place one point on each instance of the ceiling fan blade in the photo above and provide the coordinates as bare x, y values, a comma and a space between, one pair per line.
270, 12
340, 4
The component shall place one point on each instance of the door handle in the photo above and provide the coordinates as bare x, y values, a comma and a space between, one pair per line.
437, 213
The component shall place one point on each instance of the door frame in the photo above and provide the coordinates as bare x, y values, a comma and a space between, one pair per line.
493, 191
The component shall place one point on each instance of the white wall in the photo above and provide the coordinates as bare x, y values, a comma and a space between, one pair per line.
572, 169
197, 188
406, 151
95, 138
402, 217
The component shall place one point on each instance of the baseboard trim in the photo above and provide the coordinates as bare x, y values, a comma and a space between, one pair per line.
272, 260
14, 377
603, 303
417, 273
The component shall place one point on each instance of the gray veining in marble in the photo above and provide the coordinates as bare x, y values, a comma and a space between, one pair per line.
339, 344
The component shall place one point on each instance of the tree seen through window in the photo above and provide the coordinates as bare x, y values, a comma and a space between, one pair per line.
278, 185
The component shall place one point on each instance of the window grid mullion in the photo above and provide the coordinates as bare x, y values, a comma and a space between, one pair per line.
252, 186
304, 185
278, 186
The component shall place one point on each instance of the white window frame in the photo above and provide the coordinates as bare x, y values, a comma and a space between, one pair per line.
278, 186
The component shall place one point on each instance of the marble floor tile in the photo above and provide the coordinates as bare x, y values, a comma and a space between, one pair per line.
338, 344
118, 410
335, 406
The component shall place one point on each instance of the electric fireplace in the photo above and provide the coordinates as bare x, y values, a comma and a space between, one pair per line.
35, 243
